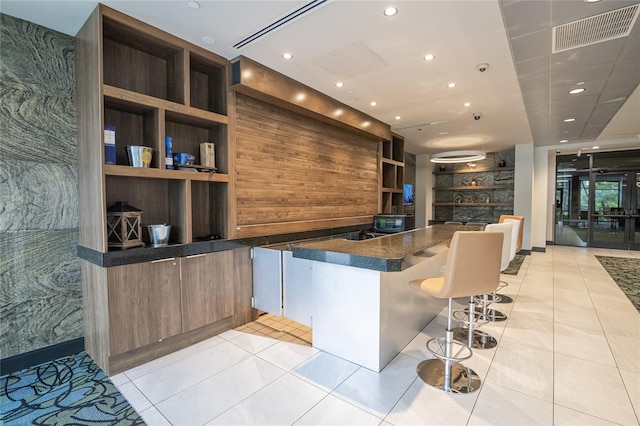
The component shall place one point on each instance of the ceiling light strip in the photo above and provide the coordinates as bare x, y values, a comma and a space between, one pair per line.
280, 22
458, 156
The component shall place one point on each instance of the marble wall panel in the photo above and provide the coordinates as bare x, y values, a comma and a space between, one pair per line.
40, 289
38, 196
37, 112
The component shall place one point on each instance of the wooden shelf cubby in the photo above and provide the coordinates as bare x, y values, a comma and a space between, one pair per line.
149, 84
392, 175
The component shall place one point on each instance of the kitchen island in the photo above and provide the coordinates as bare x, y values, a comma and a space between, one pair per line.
364, 309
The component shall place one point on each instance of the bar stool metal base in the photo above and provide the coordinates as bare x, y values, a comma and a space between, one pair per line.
500, 298
492, 314
481, 340
463, 379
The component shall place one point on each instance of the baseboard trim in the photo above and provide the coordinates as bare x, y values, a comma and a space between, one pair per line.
539, 249
524, 252
549, 243
38, 356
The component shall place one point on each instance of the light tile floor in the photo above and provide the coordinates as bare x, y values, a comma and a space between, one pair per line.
569, 354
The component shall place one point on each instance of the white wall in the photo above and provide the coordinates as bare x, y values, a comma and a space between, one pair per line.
523, 191
541, 204
424, 191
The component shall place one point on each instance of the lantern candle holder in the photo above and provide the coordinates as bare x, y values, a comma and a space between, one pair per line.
124, 226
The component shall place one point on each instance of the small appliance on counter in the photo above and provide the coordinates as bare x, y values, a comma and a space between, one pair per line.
389, 223
124, 226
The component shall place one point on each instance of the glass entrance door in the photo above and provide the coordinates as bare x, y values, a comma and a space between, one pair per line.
614, 217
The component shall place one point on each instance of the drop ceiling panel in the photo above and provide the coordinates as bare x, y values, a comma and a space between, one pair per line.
598, 71
586, 56
537, 67
537, 101
536, 84
526, 17
572, 10
530, 46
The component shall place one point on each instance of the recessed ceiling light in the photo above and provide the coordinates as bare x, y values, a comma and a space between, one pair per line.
591, 1
451, 85
193, 4
580, 83
576, 91
287, 56
429, 57
390, 11
564, 141
467, 104
596, 147
374, 103
339, 84
397, 117
208, 40
568, 120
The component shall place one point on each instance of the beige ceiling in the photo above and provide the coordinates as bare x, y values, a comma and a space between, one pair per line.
522, 97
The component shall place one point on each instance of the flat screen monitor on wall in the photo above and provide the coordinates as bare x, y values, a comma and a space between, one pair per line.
408, 194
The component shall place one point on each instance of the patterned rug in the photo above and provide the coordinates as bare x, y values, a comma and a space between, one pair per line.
68, 391
515, 265
626, 273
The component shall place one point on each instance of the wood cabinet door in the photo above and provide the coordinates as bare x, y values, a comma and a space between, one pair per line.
144, 304
207, 289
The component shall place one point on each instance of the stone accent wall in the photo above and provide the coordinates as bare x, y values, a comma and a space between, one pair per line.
40, 289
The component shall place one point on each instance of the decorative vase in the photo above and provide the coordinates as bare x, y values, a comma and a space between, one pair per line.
474, 183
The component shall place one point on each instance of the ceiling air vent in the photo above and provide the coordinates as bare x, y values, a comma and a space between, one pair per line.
595, 29
291, 16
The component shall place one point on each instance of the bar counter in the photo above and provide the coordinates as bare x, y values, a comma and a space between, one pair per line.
363, 308
389, 253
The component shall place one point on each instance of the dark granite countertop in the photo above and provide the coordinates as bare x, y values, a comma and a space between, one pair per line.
387, 254
148, 254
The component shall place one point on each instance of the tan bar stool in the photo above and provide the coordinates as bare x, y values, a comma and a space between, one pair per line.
470, 334
472, 267
516, 245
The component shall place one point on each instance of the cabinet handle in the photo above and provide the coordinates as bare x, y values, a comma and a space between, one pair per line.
163, 260
196, 255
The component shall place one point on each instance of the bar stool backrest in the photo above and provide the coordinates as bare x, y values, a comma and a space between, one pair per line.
473, 264
507, 245
518, 231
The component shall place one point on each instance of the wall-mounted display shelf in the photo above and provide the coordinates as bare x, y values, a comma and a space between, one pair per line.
392, 175
474, 192
148, 85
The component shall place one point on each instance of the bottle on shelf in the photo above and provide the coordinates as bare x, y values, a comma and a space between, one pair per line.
168, 155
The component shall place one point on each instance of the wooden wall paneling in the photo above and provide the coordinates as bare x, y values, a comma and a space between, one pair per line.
144, 304
256, 80
291, 168
243, 287
262, 229
95, 311
207, 289
92, 218
381, 200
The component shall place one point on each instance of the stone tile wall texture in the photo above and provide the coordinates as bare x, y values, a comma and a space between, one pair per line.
40, 289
